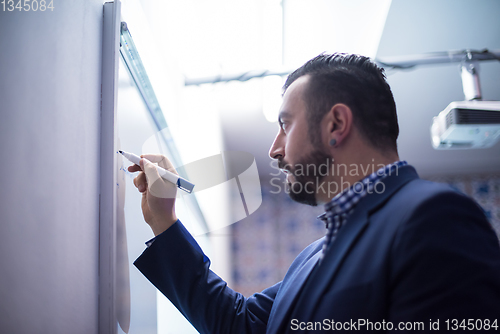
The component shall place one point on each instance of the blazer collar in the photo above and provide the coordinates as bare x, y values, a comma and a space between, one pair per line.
319, 281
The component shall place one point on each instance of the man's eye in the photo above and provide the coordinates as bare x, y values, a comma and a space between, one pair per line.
283, 126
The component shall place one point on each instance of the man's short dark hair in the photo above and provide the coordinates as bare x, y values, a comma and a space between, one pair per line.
359, 83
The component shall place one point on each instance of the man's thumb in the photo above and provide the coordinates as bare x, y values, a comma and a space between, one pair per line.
159, 189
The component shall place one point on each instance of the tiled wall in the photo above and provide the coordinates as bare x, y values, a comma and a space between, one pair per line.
266, 242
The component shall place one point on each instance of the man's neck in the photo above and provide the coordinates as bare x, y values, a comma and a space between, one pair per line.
352, 168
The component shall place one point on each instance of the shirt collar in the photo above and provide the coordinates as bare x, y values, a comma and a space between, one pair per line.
345, 201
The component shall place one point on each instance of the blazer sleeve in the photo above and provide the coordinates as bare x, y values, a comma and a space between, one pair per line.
177, 266
446, 263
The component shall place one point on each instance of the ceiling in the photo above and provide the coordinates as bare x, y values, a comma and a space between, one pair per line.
412, 27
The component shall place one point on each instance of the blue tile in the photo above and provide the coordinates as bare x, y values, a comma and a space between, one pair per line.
483, 188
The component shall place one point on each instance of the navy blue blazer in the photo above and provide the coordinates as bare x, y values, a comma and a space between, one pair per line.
414, 253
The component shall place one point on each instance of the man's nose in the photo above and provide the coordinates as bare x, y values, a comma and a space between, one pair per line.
277, 148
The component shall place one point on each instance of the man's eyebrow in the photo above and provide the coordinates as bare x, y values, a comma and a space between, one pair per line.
284, 114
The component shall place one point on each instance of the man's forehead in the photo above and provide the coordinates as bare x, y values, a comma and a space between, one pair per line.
297, 86
294, 95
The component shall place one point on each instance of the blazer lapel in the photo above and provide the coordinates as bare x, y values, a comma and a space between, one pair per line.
346, 239
328, 268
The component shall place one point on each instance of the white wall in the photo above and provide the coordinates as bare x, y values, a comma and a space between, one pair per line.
49, 142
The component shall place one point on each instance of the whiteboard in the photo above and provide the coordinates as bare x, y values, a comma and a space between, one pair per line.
132, 120
137, 132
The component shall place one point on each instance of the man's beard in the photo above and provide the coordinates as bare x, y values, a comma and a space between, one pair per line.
303, 189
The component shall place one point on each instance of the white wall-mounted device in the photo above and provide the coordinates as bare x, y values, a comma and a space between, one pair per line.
467, 124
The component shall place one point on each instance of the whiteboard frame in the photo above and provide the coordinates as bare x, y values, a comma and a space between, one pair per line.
108, 169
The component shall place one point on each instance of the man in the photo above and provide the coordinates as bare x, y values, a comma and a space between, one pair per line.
400, 253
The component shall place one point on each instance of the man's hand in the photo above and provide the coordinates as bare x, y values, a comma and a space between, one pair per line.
158, 195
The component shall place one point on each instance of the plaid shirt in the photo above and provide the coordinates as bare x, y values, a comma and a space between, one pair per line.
341, 206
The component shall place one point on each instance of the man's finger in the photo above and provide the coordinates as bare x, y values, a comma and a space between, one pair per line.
157, 186
134, 168
140, 182
150, 171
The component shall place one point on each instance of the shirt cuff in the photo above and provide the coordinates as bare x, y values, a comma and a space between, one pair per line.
150, 242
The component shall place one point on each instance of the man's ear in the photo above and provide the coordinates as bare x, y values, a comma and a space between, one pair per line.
338, 123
